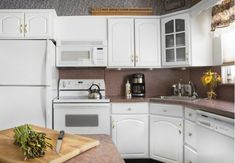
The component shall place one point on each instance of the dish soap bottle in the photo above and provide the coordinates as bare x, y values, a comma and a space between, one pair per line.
128, 89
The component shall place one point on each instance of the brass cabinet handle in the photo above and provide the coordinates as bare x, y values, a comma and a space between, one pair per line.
180, 128
136, 58
180, 131
25, 28
132, 58
21, 28
113, 124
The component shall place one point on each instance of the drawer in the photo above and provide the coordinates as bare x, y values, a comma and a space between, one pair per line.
166, 109
190, 114
190, 156
190, 134
130, 108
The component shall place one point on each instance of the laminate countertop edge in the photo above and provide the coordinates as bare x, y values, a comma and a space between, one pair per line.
218, 107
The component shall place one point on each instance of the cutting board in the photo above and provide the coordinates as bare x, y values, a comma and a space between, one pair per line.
72, 145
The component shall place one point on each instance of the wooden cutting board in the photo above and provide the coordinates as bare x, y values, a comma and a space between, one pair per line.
72, 145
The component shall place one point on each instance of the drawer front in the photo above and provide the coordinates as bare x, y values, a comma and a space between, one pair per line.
165, 109
190, 114
190, 134
190, 156
130, 108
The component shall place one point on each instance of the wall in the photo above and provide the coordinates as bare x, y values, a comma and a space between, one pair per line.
82, 7
158, 81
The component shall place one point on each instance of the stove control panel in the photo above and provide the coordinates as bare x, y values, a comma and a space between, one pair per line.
80, 84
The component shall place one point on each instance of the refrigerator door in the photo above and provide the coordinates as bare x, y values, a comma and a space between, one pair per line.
21, 105
23, 62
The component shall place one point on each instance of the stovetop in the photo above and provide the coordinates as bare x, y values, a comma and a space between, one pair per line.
80, 99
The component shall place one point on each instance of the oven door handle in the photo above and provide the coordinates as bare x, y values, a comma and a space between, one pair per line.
81, 104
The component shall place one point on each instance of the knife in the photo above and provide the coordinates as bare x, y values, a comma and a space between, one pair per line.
59, 141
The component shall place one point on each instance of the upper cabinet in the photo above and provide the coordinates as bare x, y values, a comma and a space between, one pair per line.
175, 40
121, 42
28, 24
186, 39
11, 24
133, 42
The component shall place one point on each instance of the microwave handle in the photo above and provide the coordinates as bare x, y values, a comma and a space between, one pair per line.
94, 55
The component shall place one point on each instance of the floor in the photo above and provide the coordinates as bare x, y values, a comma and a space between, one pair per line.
141, 161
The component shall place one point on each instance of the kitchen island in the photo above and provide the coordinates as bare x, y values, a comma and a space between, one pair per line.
105, 152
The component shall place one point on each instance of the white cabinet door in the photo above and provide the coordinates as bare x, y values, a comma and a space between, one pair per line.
120, 43
130, 134
175, 40
11, 24
190, 156
147, 42
37, 24
166, 139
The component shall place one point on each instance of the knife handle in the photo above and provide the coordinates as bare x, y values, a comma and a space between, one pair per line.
61, 135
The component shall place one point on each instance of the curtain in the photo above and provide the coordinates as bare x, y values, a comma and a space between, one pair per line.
223, 14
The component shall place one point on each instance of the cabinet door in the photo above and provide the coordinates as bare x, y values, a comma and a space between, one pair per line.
11, 24
130, 134
120, 43
190, 156
37, 25
190, 134
175, 40
166, 139
147, 42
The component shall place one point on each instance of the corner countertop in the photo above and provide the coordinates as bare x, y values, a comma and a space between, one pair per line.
105, 152
219, 107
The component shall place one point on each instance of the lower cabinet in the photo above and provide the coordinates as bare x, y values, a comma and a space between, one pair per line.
190, 156
130, 129
130, 134
166, 138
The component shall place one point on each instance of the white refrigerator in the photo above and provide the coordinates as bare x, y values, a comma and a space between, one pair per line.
28, 82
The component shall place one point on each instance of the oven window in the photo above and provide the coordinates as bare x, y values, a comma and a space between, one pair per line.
84, 120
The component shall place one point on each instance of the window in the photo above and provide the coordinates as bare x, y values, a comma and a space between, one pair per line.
228, 74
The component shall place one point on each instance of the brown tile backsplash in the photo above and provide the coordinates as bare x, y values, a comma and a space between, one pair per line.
158, 81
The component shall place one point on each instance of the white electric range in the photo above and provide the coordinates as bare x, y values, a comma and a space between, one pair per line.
74, 112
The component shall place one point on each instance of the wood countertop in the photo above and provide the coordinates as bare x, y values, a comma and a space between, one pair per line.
219, 107
106, 152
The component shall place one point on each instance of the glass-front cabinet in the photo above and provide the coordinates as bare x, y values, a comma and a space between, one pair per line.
175, 41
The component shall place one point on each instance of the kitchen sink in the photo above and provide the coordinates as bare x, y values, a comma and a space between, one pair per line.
187, 98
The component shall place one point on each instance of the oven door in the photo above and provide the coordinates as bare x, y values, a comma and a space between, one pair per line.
82, 118
72, 56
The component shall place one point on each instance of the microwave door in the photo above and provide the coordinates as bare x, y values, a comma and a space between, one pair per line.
73, 56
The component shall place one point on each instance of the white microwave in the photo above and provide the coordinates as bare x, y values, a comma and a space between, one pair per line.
81, 54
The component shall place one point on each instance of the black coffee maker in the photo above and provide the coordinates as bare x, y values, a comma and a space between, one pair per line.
138, 85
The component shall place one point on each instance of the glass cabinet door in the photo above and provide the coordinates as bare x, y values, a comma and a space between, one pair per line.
175, 41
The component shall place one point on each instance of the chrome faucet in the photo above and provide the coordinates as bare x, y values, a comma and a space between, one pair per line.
194, 93
179, 88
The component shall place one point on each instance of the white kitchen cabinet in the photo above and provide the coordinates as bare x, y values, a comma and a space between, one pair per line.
134, 42
130, 129
186, 39
147, 43
29, 24
190, 134
175, 39
121, 42
37, 24
190, 156
166, 138
11, 24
